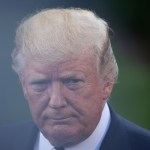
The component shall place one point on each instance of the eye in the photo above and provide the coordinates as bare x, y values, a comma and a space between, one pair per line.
73, 83
39, 86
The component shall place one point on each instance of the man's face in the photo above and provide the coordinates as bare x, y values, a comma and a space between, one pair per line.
66, 99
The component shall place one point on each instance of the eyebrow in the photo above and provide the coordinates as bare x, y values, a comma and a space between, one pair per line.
65, 75
40, 80
71, 75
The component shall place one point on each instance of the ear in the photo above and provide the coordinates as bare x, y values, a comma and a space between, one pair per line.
22, 81
107, 88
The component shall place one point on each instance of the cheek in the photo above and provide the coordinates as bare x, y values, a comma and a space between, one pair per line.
37, 104
92, 106
87, 101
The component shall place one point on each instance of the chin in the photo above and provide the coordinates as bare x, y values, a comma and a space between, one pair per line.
62, 140
63, 137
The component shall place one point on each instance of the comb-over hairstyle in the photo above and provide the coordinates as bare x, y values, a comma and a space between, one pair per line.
53, 35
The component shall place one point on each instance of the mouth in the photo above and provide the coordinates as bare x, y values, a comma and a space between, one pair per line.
62, 120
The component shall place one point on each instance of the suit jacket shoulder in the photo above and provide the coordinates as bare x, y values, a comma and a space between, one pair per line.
124, 135
19, 136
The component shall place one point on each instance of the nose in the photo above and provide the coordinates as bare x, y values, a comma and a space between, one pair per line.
56, 96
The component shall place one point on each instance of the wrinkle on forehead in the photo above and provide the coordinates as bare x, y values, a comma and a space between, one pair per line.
64, 68
86, 58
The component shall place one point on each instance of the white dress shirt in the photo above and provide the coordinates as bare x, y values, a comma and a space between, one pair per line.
93, 142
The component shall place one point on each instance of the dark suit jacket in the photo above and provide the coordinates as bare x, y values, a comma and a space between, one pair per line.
121, 135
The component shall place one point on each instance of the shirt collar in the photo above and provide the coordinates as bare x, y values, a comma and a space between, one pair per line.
93, 142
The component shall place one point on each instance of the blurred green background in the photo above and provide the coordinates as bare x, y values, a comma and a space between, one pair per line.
130, 21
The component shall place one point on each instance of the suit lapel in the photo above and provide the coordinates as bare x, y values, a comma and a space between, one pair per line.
116, 137
27, 140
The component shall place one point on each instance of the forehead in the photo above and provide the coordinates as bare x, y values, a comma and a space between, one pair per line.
66, 67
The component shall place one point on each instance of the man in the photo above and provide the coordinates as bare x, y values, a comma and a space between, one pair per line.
67, 70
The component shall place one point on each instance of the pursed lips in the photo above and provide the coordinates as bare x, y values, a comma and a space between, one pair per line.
60, 120
58, 117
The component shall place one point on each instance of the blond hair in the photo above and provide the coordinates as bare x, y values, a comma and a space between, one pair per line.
55, 34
